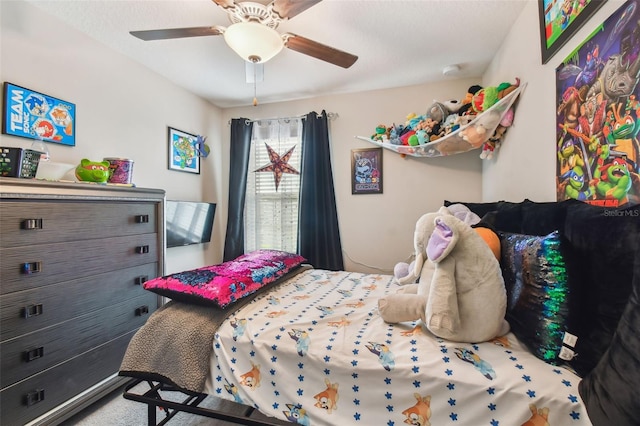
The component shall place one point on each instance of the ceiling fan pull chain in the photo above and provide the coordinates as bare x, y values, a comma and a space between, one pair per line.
255, 92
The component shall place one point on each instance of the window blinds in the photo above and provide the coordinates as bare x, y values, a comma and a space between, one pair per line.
271, 217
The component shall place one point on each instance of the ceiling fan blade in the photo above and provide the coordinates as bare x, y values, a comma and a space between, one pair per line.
318, 50
287, 9
169, 33
225, 4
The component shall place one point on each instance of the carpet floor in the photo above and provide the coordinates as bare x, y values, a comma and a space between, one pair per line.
115, 410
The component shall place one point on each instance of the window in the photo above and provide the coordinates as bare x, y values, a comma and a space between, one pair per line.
271, 217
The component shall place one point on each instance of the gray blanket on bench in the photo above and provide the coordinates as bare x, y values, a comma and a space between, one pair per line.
175, 344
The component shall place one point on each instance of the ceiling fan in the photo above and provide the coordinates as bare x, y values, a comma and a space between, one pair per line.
252, 34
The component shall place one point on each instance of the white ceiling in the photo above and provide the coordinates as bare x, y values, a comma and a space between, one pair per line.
398, 42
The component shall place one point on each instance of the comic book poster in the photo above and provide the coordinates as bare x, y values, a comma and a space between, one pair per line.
34, 115
598, 114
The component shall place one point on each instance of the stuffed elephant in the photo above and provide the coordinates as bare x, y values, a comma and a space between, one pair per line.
461, 294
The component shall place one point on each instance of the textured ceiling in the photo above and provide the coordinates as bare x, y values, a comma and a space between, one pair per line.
398, 42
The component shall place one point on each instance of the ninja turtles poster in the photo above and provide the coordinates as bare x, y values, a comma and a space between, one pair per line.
598, 114
34, 115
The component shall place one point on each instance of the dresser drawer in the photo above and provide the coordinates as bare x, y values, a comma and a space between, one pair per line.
26, 311
26, 355
40, 222
22, 268
31, 398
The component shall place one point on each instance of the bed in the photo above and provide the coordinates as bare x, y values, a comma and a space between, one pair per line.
309, 347
313, 350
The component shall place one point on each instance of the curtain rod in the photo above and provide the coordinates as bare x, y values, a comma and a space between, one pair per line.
330, 116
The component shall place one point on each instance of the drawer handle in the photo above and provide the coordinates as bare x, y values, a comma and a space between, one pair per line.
142, 249
142, 218
32, 310
29, 268
141, 279
142, 310
30, 224
33, 354
34, 397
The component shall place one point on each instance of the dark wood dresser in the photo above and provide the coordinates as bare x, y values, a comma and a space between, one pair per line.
73, 257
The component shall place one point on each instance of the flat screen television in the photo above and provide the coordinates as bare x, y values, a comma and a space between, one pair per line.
188, 222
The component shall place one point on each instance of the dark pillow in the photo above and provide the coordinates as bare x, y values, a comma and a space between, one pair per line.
544, 218
601, 246
535, 278
478, 208
507, 217
501, 215
221, 285
527, 217
610, 390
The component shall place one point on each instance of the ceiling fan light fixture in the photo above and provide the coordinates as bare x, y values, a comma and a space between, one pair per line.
253, 41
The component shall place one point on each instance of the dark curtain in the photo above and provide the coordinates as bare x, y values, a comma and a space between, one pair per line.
239, 164
318, 233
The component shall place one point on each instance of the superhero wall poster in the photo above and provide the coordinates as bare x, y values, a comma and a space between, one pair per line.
598, 114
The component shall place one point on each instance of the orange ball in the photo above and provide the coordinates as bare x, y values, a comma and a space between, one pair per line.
491, 239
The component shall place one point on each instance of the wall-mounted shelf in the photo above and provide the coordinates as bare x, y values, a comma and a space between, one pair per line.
454, 143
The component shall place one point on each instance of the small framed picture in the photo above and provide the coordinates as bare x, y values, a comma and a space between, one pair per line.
183, 152
34, 115
366, 171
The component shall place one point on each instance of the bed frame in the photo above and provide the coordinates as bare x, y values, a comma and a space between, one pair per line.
153, 398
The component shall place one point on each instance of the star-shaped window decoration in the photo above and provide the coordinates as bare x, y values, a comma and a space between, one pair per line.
278, 165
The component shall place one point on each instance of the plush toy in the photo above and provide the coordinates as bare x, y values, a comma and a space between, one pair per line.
381, 134
481, 129
462, 212
475, 135
402, 269
413, 120
430, 126
452, 105
489, 96
435, 117
406, 135
440, 118
490, 146
494, 142
92, 171
395, 131
452, 145
420, 137
465, 105
461, 294
437, 112
451, 123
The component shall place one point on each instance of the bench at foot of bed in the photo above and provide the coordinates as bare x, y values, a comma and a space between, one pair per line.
158, 396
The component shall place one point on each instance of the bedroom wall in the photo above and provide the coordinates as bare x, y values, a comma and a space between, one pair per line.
526, 164
123, 110
377, 229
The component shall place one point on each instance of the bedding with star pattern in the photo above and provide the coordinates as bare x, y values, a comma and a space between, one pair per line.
315, 351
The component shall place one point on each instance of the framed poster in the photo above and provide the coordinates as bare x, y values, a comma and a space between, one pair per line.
34, 115
560, 19
598, 114
183, 154
366, 171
